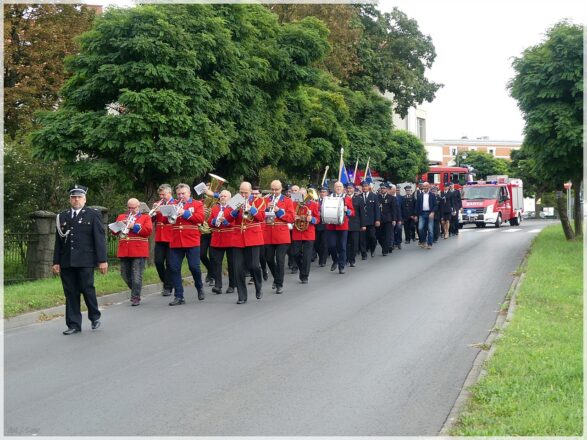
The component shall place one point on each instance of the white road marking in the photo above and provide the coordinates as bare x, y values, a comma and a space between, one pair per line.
511, 230
488, 230
534, 231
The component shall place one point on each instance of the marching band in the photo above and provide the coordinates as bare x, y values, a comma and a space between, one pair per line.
253, 231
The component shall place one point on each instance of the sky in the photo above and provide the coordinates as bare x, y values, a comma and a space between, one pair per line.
475, 43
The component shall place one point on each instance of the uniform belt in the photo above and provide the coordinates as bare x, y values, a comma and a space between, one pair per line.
185, 227
278, 224
224, 229
134, 239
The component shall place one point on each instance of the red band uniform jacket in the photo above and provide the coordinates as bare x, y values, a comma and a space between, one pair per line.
310, 233
223, 231
278, 232
247, 232
349, 212
186, 233
162, 226
136, 243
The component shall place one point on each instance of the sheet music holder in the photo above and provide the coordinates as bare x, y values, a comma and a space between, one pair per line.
117, 226
168, 210
236, 201
200, 188
297, 197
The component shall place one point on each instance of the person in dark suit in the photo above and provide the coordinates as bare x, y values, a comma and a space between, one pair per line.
368, 241
80, 246
425, 204
457, 204
388, 216
446, 209
397, 229
409, 214
356, 224
437, 212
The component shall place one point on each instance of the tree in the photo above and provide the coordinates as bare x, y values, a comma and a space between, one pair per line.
405, 157
192, 88
548, 86
36, 40
394, 56
484, 164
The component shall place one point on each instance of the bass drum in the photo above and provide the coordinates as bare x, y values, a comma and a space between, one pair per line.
332, 210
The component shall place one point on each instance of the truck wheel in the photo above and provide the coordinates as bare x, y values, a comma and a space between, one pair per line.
498, 221
479, 225
516, 221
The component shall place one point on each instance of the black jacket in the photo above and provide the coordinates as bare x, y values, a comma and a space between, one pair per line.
357, 221
408, 207
372, 209
85, 242
388, 208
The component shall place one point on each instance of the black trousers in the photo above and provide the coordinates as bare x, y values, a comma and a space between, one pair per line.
302, 252
205, 256
410, 229
436, 226
162, 264
246, 260
216, 257
454, 224
386, 237
352, 245
337, 247
368, 240
78, 280
397, 234
275, 256
321, 246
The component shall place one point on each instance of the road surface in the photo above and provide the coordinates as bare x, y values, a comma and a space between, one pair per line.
381, 350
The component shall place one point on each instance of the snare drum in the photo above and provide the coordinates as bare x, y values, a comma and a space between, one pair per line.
332, 210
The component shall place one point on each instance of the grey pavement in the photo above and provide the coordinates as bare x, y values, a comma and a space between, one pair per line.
381, 350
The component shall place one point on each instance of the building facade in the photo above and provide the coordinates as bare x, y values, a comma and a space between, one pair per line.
450, 148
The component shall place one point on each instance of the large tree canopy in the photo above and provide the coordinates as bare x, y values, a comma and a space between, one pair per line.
548, 86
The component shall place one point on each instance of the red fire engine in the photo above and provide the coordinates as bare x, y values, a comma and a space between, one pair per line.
440, 175
497, 200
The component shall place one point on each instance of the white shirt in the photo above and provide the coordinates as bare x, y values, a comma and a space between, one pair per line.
425, 201
74, 212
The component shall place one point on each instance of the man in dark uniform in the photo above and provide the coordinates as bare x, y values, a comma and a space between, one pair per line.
457, 204
388, 216
372, 220
356, 224
80, 245
409, 214
396, 241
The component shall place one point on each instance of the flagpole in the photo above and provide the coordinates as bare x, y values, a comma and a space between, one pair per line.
324, 177
340, 164
367, 167
355, 174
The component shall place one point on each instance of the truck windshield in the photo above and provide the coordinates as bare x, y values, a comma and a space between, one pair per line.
481, 192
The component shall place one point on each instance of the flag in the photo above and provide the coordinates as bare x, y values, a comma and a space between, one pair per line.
368, 176
344, 177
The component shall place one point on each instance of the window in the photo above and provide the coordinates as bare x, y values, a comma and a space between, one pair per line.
491, 151
472, 148
434, 178
421, 128
454, 151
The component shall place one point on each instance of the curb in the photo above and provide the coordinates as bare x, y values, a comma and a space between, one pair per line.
477, 370
39, 316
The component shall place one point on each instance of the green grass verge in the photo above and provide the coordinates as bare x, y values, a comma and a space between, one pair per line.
42, 294
534, 385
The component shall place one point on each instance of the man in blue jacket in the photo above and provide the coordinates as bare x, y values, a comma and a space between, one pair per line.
425, 204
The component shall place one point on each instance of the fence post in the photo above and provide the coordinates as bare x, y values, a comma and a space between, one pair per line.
39, 258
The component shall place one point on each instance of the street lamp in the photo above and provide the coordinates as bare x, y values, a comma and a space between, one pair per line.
461, 157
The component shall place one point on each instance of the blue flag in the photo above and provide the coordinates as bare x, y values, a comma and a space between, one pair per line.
368, 176
344, 177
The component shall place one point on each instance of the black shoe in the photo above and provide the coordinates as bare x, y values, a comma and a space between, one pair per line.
273, 286
95, 324
217, 290
71, 331
304, 281
333, 267
166, 292
294, 270
407, 242
177, 301
399, 246
241, 301
259, 294
265, 276
352, 264
201, 294
251, 281
322, 264
279, 290
230, 290
364, 257
384, 255
341, 271
372, 254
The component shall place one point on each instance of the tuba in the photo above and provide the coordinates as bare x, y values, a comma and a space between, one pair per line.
209, 201
301, 222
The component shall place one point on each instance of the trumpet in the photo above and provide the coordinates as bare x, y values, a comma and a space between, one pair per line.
270, 214
220, 216
129, 220
247, 211
155, 206
173, 218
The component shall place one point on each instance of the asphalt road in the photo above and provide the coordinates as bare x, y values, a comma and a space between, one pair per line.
381, 350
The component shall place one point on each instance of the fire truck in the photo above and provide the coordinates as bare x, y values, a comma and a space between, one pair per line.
440, 175
497, 200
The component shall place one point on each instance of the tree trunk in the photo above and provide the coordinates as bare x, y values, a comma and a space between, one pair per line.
577, 211
538, 206
562, 212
